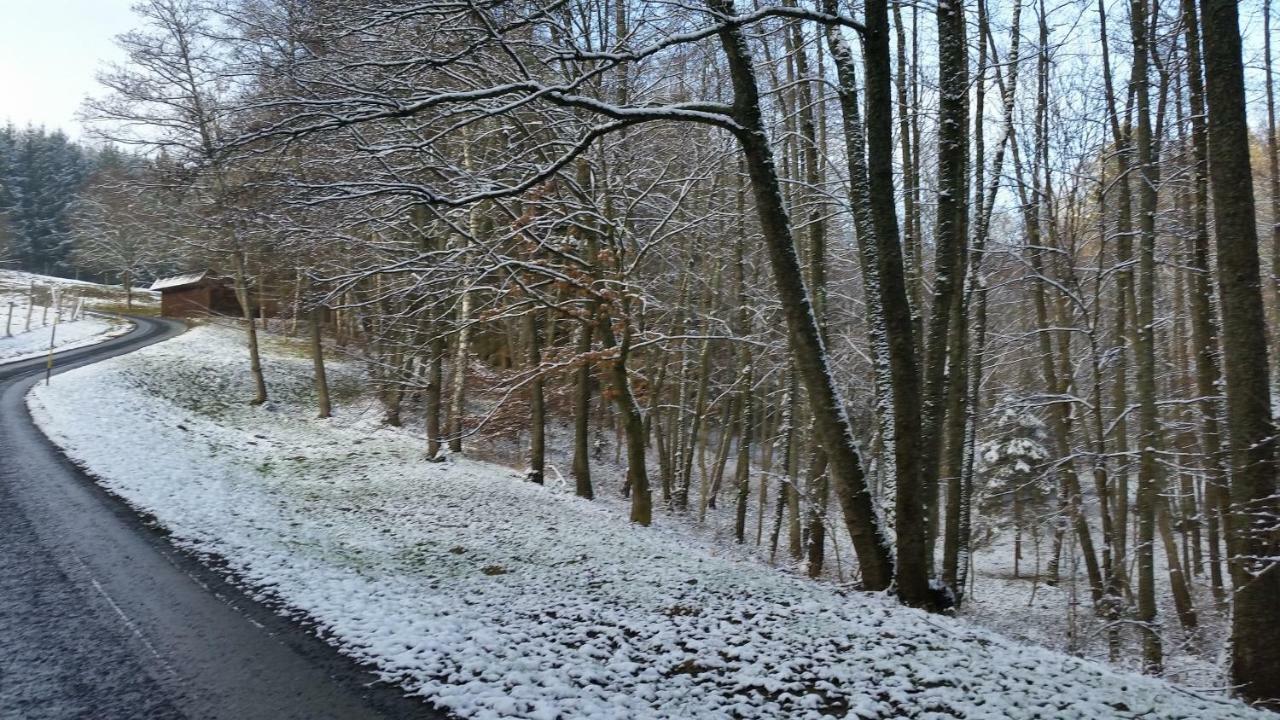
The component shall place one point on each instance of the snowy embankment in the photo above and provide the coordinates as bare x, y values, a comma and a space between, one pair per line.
28, 312
496, 598
70, 334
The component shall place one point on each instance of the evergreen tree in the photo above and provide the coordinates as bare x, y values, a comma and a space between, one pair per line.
41, 175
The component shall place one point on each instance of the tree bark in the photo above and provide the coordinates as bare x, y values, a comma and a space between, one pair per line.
582, 417
317, 359
435, 388
251, 330
1255, 634
806, 344
1149, 479
632, 425
951, 237
537, 404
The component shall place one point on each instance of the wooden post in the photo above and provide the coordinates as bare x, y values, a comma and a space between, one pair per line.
9, 322
53, 336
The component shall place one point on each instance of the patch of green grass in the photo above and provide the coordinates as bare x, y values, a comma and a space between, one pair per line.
288, 346
346, 389
121, 308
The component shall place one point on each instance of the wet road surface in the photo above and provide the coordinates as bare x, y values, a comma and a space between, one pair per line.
102, 619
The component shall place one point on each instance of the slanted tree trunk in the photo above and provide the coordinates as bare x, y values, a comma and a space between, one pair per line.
1032, 198
891, 369
632, 424
811, 360
1177, 576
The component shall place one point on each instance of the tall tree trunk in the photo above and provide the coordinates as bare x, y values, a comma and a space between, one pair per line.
1177, 576
582, 376
742, 466
810, 356
887, 352
633, 432
1273, 165
909, 108
911, 504
952, 473
951, 238
1255, 634
1124, 302
1149, 479
1203, 320
1037, 212
251, 331
582, 416
537, 404
461, 356
435, 388
317, 358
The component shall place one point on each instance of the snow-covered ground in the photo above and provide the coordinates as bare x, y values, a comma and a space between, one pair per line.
28, 315
496, 598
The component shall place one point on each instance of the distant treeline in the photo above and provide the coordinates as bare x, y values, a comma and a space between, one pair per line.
42, 173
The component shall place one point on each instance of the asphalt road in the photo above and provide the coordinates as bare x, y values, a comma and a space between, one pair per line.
101, 618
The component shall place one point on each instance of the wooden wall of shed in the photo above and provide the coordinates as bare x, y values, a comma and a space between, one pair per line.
185, 302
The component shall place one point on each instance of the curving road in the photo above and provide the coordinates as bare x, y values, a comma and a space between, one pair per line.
102, 619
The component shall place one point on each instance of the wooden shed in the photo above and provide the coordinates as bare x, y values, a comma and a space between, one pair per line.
196, 294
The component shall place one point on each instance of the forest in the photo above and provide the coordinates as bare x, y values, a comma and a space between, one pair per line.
41, 174
886, 277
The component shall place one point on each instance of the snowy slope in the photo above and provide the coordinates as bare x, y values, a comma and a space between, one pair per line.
31, 336
496, 598
71, 334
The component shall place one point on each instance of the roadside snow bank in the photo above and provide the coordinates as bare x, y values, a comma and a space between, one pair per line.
28, 327
495, 598
31, 343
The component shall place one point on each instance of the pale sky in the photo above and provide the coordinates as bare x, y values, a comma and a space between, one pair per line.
50, 51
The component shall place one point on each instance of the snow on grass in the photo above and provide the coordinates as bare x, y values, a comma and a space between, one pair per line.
88, 330
496, 598
28, 316
16, 285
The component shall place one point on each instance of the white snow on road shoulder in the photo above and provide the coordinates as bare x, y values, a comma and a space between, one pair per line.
88, 330
495, 598
28, 328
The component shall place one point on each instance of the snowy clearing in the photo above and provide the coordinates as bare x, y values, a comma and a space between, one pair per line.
496, 598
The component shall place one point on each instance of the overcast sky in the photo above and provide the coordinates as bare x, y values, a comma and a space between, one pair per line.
50, 51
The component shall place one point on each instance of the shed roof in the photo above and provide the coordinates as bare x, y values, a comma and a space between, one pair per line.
179, 281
